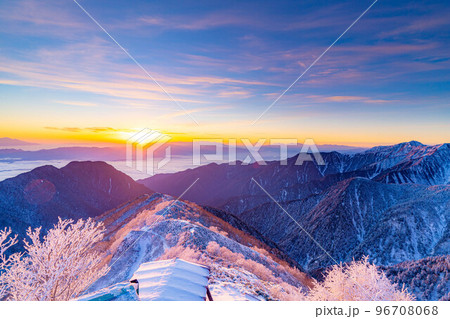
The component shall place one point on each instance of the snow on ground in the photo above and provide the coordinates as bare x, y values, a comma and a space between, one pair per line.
230, 292
227, 283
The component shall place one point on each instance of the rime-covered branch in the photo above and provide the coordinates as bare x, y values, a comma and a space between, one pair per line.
60, 267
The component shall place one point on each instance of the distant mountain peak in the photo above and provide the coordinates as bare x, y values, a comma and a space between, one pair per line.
6, 141
89, 164
45, 169
414, 143
396, 147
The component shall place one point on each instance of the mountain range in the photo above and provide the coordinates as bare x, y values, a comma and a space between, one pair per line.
391, 203
219, 184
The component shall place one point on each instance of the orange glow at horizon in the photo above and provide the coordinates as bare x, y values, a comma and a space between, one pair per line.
119, 137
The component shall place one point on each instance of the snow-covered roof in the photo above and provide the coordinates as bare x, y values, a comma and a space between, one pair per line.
174, 279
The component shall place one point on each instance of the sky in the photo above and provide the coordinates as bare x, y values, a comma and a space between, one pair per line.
385, 81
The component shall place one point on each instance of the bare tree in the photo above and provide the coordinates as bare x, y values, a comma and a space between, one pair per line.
60, 267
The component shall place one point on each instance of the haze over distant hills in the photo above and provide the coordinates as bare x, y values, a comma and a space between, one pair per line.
118, 152
63, 153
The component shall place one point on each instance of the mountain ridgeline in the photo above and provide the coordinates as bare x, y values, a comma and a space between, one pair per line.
403, 163
389, 202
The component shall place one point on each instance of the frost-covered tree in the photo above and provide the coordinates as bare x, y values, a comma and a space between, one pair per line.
358, 280
5, 242
60, 267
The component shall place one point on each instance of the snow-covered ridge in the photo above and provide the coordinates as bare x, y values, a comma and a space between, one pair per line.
156, 228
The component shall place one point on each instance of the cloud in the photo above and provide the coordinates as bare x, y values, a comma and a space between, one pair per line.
196, 110
87, 129
91, 67
302, 100
419, 25
212, 20
76, 103
67, 76
247, 17
64, 129
220, 80
235, 93
101, 129
347, 98
195, 80
50, 18
42, 13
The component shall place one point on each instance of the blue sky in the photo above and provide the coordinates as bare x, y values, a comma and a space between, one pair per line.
385, 81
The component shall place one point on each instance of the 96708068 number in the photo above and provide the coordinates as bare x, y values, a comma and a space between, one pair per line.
407, 310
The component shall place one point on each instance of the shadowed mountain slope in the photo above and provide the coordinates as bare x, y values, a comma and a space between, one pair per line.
78, 190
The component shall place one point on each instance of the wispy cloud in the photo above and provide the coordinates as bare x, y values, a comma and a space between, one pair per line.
87, 129
196, 110
212, 20
50, 18
303, 100
316, 18
77, 103
235, 93
51, 13
64, 129
420, 25
342, 98
46, 74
